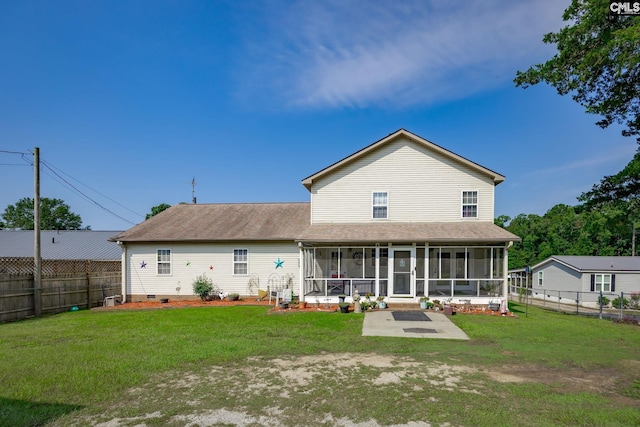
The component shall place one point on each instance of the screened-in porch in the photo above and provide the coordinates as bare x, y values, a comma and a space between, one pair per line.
410, 271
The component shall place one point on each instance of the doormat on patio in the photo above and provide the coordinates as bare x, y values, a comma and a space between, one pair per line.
420, 330
411, 316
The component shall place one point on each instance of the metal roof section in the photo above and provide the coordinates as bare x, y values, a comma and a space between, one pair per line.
496, 177
586, 264
61, 245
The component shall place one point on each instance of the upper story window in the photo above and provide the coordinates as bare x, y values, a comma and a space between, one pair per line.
164, 261
240, 261
469, 204
380, 205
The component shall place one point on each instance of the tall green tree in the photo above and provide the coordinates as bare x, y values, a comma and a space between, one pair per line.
54, 215
598, 63
157, 209
619, 193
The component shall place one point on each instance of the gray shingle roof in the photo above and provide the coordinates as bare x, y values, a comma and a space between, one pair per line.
222, 222
290, 222
597, 263
442, 232
64, 244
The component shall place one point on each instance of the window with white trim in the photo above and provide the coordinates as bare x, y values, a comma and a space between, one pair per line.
380, 205
602, 282
240, 261
469, 204
164, 262
540, 278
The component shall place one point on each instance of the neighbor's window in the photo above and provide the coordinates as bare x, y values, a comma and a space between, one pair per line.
602, 282
164, 261
240, 261
380, 204
469, 204
539, 278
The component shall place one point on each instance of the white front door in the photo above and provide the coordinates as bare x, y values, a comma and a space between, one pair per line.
402, 275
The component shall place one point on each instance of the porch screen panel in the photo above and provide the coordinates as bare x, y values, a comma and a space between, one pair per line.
420, 265
325, 263
439, 289
370, 263
480, 263
446, 270
498, 258
461, 264
352, 263
465, 288
384, 271
490, 288
434, 263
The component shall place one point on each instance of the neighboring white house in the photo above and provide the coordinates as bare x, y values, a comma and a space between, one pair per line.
581, 278
402, 218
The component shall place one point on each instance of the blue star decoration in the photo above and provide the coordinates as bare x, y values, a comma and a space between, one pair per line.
143, 264
279, 263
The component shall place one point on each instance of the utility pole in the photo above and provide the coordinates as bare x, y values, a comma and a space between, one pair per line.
37, 257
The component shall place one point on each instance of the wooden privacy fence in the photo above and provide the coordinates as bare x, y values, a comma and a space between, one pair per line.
66, 284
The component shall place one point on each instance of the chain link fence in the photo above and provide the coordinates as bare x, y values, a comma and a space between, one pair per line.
609, 305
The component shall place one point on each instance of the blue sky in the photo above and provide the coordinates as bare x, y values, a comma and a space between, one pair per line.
128, 101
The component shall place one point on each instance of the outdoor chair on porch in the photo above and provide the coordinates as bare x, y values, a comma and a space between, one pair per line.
336, 287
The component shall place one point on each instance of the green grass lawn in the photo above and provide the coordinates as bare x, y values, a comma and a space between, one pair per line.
169, 366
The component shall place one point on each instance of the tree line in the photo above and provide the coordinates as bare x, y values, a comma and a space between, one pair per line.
55, 214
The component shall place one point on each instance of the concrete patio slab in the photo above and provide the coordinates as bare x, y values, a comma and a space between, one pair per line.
381, 323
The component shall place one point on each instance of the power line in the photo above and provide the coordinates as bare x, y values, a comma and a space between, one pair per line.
83, 194
61, 180
49, 165
12, 152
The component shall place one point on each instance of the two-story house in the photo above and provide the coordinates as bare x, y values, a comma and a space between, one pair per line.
402, 218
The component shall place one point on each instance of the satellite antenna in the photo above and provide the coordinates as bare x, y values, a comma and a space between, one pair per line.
193, 190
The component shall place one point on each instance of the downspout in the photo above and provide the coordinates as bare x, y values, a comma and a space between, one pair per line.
123, 263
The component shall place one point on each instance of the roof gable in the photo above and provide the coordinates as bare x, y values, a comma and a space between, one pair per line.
402, 133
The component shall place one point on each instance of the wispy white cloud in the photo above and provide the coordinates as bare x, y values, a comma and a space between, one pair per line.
617, 155
359, 53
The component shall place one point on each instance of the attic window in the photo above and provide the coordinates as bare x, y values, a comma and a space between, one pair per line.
380, 205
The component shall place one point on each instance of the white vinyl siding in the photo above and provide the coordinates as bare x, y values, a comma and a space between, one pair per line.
240, 262
163, 259
425, 186
214, 260
380, 205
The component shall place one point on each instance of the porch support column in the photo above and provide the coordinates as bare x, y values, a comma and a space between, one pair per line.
505, 269
301, 271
